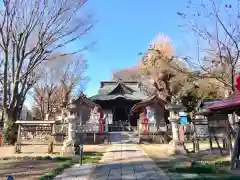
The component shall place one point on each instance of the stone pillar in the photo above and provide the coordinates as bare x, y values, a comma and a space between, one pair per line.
177, 146
175, 129
71, 127
47, 117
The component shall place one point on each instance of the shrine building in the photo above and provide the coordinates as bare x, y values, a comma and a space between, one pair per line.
123, 103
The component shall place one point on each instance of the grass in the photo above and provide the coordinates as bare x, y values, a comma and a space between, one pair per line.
195, 165
205, 170
60, 167
89, 157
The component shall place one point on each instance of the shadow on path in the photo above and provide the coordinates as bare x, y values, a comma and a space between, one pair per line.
125, 150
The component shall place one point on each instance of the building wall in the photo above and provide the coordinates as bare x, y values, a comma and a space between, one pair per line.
159, 123
83, 114
159, 116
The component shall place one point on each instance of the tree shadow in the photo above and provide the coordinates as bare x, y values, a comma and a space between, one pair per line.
129, 150
26, 169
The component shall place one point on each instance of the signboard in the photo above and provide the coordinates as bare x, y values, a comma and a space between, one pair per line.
202, 131
201, 128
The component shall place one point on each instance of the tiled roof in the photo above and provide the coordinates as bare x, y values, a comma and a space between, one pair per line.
113, 90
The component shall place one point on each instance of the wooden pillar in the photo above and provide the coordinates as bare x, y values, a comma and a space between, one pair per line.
194, 139
197, 145
19, 133
210, 137
80, 116
235, 153
229, 138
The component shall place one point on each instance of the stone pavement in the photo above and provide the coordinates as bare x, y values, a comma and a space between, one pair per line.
76, 172
127, 162
120, 162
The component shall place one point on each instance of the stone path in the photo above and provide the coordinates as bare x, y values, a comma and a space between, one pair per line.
121, 162
124, 138
76, 172
124, 160
127, 162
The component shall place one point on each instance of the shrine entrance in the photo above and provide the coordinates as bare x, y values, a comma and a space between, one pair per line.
120, 119
120, 114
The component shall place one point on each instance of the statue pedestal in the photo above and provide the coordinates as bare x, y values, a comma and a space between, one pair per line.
68, 148
177, 146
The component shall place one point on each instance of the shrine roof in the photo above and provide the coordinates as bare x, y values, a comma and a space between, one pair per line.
233, 101
110, 90
148, 101
82, 99
202, 107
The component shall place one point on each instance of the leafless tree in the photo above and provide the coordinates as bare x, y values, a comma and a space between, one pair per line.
63, 81
31, 31
216, 26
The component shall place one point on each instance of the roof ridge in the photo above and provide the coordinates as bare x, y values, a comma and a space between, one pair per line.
123, 86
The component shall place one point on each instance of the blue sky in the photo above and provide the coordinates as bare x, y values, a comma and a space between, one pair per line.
124, 29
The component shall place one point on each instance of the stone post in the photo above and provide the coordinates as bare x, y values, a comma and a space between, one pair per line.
175, 129
47, 117
177, 146
71, 127
68, 145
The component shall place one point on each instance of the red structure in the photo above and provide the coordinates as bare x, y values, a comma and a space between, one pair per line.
146, 125
230, 102
230, 105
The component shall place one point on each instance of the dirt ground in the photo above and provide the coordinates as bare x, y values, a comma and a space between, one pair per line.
41, 150
166, 161
33, 169
26, 169
160, 153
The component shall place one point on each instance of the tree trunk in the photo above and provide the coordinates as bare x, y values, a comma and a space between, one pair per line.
10, 128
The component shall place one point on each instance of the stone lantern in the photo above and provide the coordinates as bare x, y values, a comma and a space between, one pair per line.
68, 145
174, 118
